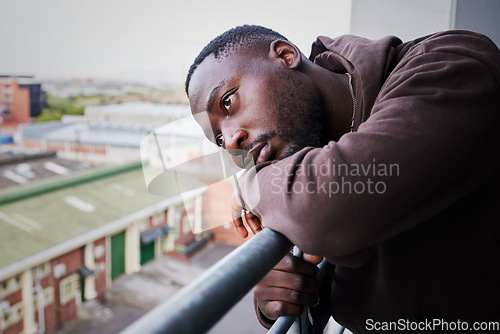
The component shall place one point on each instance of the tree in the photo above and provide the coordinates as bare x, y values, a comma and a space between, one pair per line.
57, 107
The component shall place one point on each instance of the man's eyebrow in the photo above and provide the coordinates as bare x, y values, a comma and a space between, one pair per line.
213, 95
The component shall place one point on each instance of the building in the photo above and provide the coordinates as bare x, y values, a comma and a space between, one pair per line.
63, 239
105, 134
160, 135
21, 99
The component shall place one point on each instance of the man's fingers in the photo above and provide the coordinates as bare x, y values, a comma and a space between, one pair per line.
236, 210
314, 259
290, 296
240, 227
292, 282
288, 288
276, 308
296, 265
253, 222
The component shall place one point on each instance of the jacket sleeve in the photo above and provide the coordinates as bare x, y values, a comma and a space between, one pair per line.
431, 139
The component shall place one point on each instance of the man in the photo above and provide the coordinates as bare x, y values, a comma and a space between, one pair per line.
380, 156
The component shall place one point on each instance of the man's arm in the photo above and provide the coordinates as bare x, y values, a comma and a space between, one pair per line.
431, 140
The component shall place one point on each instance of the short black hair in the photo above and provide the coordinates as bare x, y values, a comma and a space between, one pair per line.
230, 41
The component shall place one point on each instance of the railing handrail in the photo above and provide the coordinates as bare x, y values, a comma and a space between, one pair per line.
201, 304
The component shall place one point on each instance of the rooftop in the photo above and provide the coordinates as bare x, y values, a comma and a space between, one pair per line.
21, 168
122, 125
49, 212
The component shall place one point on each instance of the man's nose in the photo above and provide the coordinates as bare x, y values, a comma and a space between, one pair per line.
233, 144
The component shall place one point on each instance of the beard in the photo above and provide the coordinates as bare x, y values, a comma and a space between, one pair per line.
307, 135
299, 124
299, 115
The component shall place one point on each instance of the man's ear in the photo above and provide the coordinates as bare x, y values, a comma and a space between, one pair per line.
287, 52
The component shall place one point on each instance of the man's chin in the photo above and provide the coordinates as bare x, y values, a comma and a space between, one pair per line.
288, 150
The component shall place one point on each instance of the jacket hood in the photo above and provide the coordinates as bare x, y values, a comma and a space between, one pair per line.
368, 61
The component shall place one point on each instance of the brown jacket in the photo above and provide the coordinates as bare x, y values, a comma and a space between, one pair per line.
408, 206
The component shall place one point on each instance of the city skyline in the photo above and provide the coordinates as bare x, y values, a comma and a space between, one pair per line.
152, 41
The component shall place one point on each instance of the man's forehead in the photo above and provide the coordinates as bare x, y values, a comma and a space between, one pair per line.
210, 75
205, 74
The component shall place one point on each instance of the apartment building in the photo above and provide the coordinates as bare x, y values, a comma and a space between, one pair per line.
21, 99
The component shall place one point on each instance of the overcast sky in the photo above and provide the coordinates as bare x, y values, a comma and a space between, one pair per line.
144, 39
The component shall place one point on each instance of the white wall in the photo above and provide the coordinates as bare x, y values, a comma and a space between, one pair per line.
407, 19
479, 15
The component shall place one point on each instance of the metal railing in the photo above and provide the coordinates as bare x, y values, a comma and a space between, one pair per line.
198, 306
201, 304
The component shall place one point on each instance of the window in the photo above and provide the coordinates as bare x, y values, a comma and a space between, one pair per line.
41, 271
143, 225
99, 251
48, 297
69, 288
158, 218
13, 315
11, 285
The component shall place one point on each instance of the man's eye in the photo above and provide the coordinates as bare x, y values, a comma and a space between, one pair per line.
219, 140
228, 101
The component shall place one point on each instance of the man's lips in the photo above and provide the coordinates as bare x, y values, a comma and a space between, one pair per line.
261, 152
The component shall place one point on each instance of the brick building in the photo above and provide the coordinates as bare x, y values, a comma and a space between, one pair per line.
21, 99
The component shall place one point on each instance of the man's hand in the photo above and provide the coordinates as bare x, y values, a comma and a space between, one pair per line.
289, 287
253, 221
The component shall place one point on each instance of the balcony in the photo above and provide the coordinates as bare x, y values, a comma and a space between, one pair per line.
214, 293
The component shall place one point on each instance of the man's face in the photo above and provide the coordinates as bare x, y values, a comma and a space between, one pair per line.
257, 107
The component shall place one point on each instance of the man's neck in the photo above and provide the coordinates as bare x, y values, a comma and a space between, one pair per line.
337, 100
